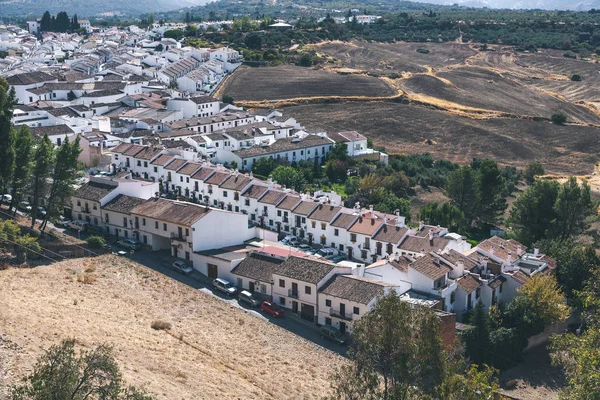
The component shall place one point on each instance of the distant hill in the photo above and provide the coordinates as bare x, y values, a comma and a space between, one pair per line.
574, 5
86, 8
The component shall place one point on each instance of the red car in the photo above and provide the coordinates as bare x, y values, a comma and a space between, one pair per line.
271, 309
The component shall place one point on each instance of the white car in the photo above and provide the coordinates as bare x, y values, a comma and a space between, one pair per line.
290, 240
78, 225
7, 198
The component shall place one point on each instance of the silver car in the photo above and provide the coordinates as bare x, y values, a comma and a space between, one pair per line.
225, 286
182, 267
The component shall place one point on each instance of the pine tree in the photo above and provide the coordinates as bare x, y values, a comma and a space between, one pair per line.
44, 156
75, 24
46, 22
7, 134
63, 177
23, 147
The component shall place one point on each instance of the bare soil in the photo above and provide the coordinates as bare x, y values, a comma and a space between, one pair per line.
213, 351
404, 128
290, 81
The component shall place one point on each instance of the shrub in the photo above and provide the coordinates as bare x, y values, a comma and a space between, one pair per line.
559, 118
160, 325
227, 99
88, 279
576, 78
96, 242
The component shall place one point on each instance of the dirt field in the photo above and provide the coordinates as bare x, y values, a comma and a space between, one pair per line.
403, 128
290, 81
215, 352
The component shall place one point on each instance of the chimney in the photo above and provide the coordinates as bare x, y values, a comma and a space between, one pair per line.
400, 220
519, 251
385, 218
270, 180
431, 235
421, 225
492, 250
251, 175
397, 256
371, 210
536, 250
510, 260
357, 207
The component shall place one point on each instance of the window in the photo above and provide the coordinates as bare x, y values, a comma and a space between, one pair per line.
139, 163
164, 227
303, 220
78, 203
279, 213
307, 289
145, 164
328, 303
500, 288
144, 221
124, 222
323, 226
367, 243
313, 223
452, 297
336, 232
353, 237
155, 224
240, 283
356, 311
224, 193
282, 301
477, 293
187, 232
281, 283
341, 247
327, 321
155, 169
106, 218
390, 248
247, 202
364, 254
181, 179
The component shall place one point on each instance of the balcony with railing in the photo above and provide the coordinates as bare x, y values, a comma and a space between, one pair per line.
293, 293
339, 314
179, 238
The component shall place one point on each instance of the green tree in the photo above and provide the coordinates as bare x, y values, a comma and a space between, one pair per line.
545, 298
573, 204
289, 177
478, 338
43, 161
396, 353
62, 23
339, 152
64, 173
23, 148
476, 384
45, 23
306, 60
63, 373
7, 134
447, 215
263, 166
71, 96
96, 242
461, 187
533, 212
173, 34
253, 41
392, 204
559, 118
533, 169
490, 187
227, 99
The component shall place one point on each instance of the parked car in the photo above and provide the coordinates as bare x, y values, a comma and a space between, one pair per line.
129, 244
304, 248
25, 206
271, 309
290, 240
6, 198
336, 259
182, 267
331, 333
326, 252
62, 222
79, 226
247, 297
41, 212
225, 286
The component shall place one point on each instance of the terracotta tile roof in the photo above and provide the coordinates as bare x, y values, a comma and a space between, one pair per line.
289, 202
551, 262
305, 207
390, 234
175, 164
123, 204
162, 160
366, 225
148, 153
93, 191
494, 283
203, 173
454, 256
133, 150
272, 197
353, 288
502, 247
217, 178
521, 277
189, 168
430, 266
305, 269
236, 182
423, 244
258, 267
468, 283
255, 191
344, 220
175, 212
402, 263
324, 212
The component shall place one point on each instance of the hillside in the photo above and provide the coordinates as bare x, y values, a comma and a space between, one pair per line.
574, 5
451, 100
214, 352
35, 8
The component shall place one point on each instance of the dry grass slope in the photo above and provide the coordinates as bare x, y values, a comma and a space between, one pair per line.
210, 351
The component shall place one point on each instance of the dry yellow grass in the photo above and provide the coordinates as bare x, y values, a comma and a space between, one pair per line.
211, 351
